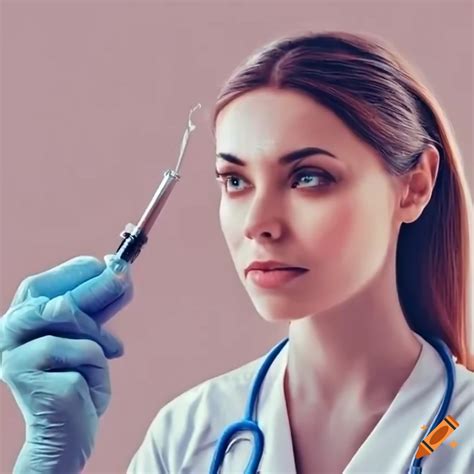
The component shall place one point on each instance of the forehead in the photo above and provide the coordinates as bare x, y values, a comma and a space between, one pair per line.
267, 121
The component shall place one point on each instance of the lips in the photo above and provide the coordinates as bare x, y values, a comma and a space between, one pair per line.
276, 269
275, 279
271, 265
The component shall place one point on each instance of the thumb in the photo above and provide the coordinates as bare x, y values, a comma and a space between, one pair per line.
95, 294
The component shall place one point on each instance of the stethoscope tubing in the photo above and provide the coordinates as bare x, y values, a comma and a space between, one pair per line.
447, 358
249, 422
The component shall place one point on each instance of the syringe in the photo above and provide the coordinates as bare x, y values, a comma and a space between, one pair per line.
136, 236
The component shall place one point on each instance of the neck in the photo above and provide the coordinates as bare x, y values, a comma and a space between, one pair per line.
362, 351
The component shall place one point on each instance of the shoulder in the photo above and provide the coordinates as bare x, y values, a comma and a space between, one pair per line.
463, 395
464, 377
185, 430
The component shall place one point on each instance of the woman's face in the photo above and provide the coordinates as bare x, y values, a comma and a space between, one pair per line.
331, 215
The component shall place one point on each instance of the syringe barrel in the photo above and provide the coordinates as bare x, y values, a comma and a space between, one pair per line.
159, 199
136, 236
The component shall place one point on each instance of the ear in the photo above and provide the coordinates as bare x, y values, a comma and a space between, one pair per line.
417, 185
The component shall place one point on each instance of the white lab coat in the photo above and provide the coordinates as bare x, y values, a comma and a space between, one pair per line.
182, 437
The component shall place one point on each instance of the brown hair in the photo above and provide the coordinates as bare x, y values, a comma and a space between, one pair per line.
379, 96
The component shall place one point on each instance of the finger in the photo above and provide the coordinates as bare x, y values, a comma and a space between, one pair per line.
94, 295
59, 317
113, 308
59, 279
51, 354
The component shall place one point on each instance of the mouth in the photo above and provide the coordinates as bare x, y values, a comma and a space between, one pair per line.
278, 269
275, 278
271, 268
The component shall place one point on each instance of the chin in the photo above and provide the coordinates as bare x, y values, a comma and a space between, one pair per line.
278, 313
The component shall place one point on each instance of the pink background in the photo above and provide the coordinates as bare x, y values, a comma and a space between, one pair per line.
95, 97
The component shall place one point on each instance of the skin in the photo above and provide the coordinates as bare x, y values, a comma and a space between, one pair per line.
340, 360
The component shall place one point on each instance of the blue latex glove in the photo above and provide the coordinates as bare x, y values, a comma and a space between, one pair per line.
54, 358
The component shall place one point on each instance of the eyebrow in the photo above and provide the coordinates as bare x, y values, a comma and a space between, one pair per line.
283, 160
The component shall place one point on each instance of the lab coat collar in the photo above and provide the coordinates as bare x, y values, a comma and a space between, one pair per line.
400, 425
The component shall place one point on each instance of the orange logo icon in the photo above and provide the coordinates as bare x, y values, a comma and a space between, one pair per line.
436, 437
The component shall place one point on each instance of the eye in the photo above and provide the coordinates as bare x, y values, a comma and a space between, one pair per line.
230, 178
226, 178
312, 173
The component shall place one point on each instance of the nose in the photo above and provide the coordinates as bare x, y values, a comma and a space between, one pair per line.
264, 220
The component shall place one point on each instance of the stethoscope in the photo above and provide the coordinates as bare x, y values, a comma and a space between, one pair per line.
249, 422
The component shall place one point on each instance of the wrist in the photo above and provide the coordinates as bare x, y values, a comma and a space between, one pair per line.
41, 459
54, 449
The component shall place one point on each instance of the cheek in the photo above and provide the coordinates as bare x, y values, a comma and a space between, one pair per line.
351, 235
231, 225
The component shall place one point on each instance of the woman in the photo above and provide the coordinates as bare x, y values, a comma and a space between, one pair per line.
345, 209
377, 217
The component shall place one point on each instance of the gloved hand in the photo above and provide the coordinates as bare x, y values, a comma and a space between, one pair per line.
54, 358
